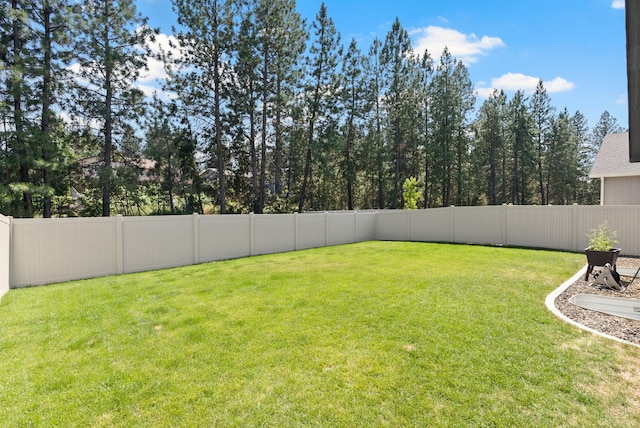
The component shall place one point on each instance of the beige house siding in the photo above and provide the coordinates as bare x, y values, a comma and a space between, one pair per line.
620, 191
619, 178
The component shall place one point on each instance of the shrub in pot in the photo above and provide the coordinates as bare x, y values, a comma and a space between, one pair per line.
601, 248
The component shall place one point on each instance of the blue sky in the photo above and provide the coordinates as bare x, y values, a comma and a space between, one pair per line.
577, 47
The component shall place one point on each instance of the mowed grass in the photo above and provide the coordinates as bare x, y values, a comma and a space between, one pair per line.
370, 334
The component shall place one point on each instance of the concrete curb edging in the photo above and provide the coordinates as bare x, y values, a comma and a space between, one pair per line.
550, 303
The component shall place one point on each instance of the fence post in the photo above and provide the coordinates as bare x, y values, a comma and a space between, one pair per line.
355, 226
119, 245
4, 288
505, 220
452, 233
196, 239
11, 273
295, 231
251, 234
574, 227
326, 229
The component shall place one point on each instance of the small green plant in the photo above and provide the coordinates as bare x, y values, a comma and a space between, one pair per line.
410, 193
602, 238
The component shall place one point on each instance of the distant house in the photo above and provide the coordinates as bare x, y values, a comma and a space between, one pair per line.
91, 165
619, 178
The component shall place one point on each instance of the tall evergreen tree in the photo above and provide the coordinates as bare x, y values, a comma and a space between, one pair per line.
17, 74
563, 161
542, 113
465, 100
426, 74
206, 38
453, 98
55, 21
490, 146
395, 55
587, 193
288, 45
374, 141
244, 101
353, 101
606, 125
519, 124
111, 50
320, 91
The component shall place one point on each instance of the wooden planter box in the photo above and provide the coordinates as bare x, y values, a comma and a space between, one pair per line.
600, 258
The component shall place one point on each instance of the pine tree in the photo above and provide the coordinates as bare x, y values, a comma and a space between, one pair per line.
490, 146
606, 125
521, 147
323, 83
244, 100
452, 94
17, 96
586, 192
395, 57
55, 21
111, 53
563, 161
353, 101
426, 74
374, 153
161, 149
542, 113
203, 79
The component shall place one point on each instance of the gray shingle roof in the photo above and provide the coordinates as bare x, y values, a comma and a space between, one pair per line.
613, 158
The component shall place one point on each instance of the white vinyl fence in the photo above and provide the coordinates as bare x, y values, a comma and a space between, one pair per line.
553, 227
5, 239
40, 251
56, 250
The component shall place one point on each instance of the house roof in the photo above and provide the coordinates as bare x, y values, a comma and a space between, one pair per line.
613, 158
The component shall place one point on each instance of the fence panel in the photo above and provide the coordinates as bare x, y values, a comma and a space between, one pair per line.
224, 237
393, 226
341, 228
433, 225
273, 233
311, 230
5, 241
56, 250
479, 225
366, 225
624, 219
157, 242
540, 227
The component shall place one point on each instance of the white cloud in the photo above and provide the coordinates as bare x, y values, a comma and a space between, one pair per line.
162, 44
466, 47
617, 4
518, 81
622, 99
150, 91
559, 84
484, 92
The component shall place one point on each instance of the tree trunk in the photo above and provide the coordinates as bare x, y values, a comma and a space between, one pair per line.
278, 138
46, 106
21, 143
305, 180
108, 123
217, 111
263, 142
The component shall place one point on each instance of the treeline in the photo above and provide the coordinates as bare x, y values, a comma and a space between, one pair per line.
261, 112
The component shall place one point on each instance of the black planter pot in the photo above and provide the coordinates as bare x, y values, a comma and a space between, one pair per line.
600, 258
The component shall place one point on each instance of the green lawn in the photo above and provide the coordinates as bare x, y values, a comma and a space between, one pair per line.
370, 334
